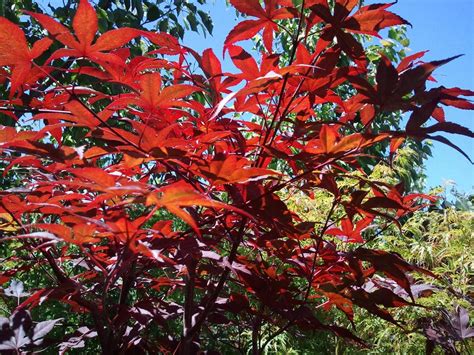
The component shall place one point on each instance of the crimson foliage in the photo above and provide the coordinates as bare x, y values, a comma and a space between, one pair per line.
102, 175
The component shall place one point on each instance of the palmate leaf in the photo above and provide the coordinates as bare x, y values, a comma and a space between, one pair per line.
16, 53
368, 19
15, 289
460, 322
233, 170
391, 265
77, 340
18, 333
266, 21
85, 27
349, 232
178, 195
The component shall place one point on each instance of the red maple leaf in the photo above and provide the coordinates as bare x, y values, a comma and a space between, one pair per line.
15, 52
266, 21
367, 20
85, 25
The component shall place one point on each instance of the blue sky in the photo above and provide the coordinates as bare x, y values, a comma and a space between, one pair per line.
446, 28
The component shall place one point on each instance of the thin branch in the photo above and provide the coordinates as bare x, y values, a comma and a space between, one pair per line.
213, 297
33, 110
285, 81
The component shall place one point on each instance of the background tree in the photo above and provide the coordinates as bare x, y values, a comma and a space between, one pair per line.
439, 240
174, 17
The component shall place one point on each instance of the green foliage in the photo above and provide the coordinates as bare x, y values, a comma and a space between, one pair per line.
440, 239
171, 16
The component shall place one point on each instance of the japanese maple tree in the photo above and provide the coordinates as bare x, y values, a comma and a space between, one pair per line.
148, 188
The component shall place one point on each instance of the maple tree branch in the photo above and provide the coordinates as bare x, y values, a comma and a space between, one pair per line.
256, 350
310, 280
213, 297
127, 284
58, 272
190, 283
295, 94
283, 28
285, 81
317, 247
63, 279
113, 130
32, 110
95, 184
94, 260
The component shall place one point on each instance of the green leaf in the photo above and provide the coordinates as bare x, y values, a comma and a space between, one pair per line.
206, 20
153, 13
163, 26
137, 4
192, 21
178, 4
191, 7
103, 20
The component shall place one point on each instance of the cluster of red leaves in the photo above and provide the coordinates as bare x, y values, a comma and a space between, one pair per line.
160, 137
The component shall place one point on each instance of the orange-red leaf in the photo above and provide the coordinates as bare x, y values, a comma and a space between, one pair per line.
244, 30
115, 38
55, 29
249, 7
233, 170
13, 46
175, 196
95, 175
85, 23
